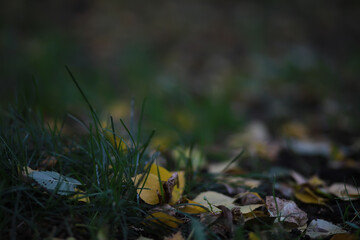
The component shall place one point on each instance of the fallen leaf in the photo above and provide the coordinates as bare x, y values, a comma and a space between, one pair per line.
287, 210
52, 181
192, 208
249, 208
215, 198
223, 225
219, 167
159, 171
320, 228
176, 236
149, 188
144, 238
80, 196
248, 198
344, 236
179, 188
315, 181
160, 217
170, 184
306, 195
247, 182
344, 191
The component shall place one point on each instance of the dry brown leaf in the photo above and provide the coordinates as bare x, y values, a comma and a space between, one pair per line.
248, 198
287, 210
320, 228
179, 188
223, 225
344, 236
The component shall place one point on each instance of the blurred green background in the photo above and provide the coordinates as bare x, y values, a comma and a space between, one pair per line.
205, 67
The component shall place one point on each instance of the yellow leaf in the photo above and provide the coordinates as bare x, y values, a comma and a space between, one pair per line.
158, 170
316, 181
160, 217
153, 187
192, 209
80, 196
305, 195
149, 189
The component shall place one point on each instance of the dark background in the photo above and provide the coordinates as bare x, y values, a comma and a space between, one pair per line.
205, 67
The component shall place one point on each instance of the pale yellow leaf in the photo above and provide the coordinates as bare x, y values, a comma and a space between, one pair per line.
344, 191
215, 199
176, 236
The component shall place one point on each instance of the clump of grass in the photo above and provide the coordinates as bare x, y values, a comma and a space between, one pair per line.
105, 170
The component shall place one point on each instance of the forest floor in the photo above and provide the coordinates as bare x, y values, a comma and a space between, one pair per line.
269, 180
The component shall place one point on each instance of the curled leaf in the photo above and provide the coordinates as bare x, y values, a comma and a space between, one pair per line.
286, 210
320, 228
